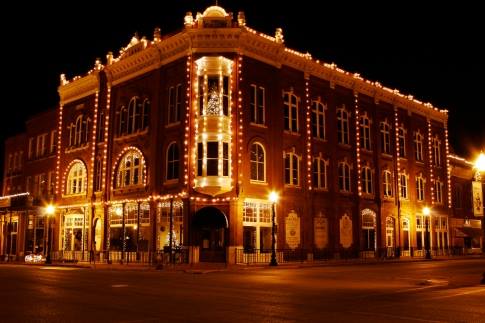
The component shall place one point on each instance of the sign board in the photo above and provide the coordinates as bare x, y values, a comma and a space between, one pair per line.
292, 230
320, 226
477, 198
345, 231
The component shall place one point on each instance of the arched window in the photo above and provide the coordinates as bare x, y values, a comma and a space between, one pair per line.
365, 142
78, 133
403, 181
368, 229
437, 151
292, 169
385, 138
258, 163
402, 141
343, 126
318, 120
344, 177
418, 146
320, 173
173, 160
291, 112
420, 187
387, 183
133, 115
123, 121
367, 180
131, 169
145, 121
76, 179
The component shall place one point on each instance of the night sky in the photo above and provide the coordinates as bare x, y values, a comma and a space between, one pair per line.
434, 53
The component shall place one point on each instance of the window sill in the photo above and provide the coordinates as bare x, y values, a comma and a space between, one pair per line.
292, 133
292, 186
173, 124
346, 146
76, 148
73, 195
258, 125
129, 189
263, 183
317, 139
320, 189
171, 182
131, 135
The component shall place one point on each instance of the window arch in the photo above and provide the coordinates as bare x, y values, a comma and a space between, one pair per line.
402, 141
436, 151
318, 119
258, 162
343, 126
173, 161
79, 131
131, 169
420, 187
76, 178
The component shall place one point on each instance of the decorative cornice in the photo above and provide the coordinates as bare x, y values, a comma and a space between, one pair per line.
248, 42
79, 88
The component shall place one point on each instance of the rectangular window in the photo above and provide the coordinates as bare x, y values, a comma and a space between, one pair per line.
225, 95
53, 142
212, 158
225, 159
404, 186
291, 112
200, 158
201, 95
178, 103
31, 148
100, 127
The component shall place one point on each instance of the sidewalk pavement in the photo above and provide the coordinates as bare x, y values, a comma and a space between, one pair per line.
204, 268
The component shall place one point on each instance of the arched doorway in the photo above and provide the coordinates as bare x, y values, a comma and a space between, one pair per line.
210, 231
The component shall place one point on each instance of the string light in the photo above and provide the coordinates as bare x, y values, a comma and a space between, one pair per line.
357, 145
398, 154
187, 120
59, 146
5, 197
430, 153
106, 134
241, 120
448, 168
68, 168
93, 149
308, 136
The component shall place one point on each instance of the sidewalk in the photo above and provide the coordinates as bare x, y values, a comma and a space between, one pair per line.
204, 268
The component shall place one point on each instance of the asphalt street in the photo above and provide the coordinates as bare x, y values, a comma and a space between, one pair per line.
433, 291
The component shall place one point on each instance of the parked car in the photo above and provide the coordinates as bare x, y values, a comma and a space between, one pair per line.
34, 258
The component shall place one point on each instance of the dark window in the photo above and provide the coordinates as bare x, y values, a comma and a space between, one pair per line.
212, 158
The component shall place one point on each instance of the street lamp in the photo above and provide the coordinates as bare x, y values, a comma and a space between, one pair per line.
477, 190
49, 211
273, 197
427, 219
480, 165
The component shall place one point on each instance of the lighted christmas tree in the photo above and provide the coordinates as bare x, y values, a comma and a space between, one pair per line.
213, 101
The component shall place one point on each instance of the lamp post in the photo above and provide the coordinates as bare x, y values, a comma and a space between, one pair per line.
273, 197
427, 219
49, 211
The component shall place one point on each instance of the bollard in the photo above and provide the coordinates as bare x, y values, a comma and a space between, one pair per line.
483, 279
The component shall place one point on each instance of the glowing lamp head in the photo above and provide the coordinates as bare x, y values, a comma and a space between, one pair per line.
118, 211
273, 197
50, 209
426, 211
480, 163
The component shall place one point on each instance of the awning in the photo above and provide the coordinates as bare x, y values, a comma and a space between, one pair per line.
467, 232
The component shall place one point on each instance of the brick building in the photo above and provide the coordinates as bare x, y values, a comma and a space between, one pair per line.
193, 130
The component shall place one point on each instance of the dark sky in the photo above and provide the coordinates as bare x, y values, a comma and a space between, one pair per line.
434, 52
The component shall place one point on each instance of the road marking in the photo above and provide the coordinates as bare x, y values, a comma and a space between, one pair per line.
59, 268
479, 290
119, 285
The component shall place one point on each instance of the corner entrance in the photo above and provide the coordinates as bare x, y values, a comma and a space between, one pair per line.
210, 231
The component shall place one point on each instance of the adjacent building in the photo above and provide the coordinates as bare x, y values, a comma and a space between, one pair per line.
182, 137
